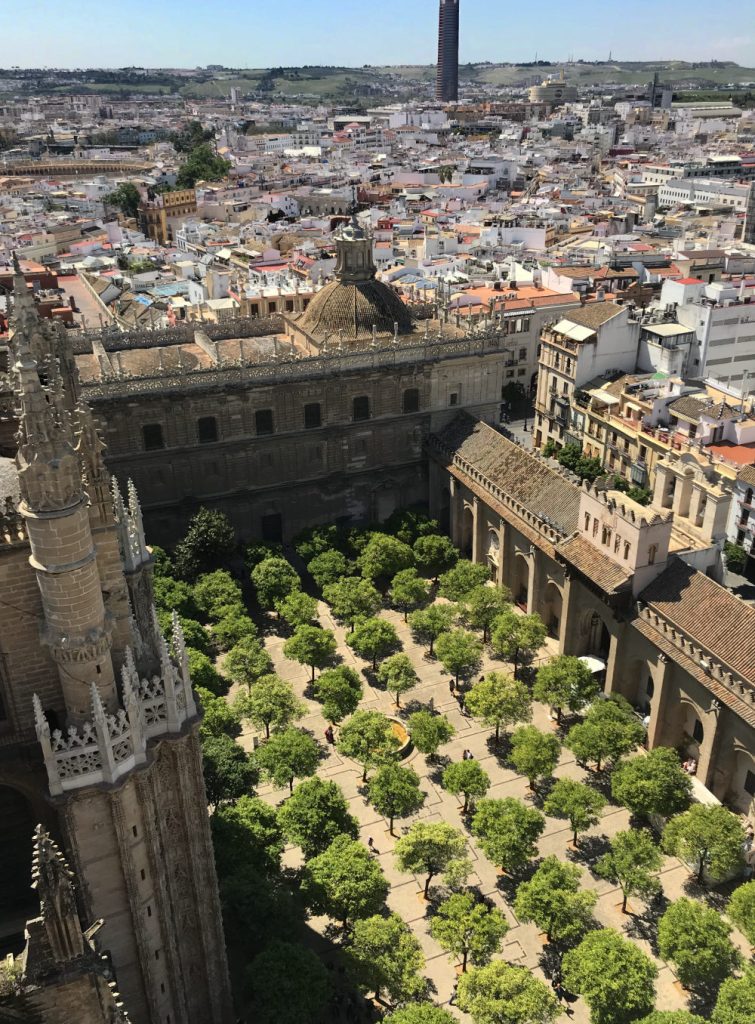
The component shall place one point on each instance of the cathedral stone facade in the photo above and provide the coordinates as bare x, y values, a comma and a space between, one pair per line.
98, 723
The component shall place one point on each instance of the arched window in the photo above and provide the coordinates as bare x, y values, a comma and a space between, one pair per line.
411, 400
652, 552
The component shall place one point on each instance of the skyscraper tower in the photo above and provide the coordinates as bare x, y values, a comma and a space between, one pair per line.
447, 80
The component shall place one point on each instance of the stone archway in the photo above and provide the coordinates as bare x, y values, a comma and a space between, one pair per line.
493, 551
467, 532
520, 583
553, 608
742, 788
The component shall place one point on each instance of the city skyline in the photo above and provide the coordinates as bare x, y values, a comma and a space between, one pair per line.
295, 34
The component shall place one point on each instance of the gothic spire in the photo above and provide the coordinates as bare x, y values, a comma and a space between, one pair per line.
53, 881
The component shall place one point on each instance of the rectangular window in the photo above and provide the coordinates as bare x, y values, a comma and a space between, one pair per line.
263, 421
453, 398
361, 408
750, 783
522, 353
152, 434
312, 415
207, 429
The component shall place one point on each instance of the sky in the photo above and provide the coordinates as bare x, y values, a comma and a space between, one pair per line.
270, 33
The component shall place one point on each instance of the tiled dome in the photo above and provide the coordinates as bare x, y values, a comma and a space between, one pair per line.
354, 308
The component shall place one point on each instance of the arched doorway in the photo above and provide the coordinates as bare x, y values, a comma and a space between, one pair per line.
467, 531
598, 637
552, 608
17, 901
520, 585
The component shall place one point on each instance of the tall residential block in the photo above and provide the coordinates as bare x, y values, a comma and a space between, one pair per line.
447, 81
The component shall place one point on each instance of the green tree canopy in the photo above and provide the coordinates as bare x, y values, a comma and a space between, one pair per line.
579, 803
408, 524
565, 682
468, 929
555, 902
383, 557
534, 753
653, 784
482, 606
610, 730
311, 645
736, 1000
369, 739
352, 598
468, 778
173, 595
247, 661
288, 755
408, 591
270, 703
429, 731
397, 675
228, 771
339, 690
434, 554
499, 700
345, 882
671, 1017
126, 198
233, 626
613, 975
215, 590
204, 674
385, 957
420, 1013
428, 848
394, 791
709, 839
202, 164
328, 567
427, 624
247, 832
461, 580
517, 638
460, 653
219, 718
695, 939
631, 863
742, 910
314, 814
373, 639
297, 609
500, 993
273, 580
316, 540
508, 831
190, 135
209, 543
288, 983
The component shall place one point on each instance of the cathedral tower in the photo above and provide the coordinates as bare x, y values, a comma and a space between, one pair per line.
110, 702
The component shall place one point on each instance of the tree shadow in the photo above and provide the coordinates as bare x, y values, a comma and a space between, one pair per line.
410, 707
501, 750
589, 851
645, 925
508, 883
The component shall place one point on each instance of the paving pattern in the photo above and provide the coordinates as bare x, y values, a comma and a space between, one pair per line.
523, 944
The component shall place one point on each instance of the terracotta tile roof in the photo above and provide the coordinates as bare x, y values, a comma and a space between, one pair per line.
594, 564
720, 622
524, 477
747, 475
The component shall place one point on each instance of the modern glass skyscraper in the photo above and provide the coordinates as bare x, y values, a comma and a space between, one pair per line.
447, 81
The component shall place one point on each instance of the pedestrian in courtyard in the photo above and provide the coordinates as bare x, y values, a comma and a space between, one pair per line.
451, 686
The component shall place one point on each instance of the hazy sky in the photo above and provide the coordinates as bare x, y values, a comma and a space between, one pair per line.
265, 33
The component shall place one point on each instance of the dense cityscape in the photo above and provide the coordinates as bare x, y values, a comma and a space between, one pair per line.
377, 576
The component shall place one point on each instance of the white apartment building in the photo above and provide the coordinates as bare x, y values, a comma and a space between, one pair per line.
703, 192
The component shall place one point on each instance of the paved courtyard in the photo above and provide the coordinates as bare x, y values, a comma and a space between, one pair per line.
523, 944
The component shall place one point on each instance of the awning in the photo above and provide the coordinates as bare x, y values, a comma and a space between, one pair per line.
596, 665
604, 396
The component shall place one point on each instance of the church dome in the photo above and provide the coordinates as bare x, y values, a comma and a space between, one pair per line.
356, 302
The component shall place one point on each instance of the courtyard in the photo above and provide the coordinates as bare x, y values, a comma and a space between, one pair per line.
524, 944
